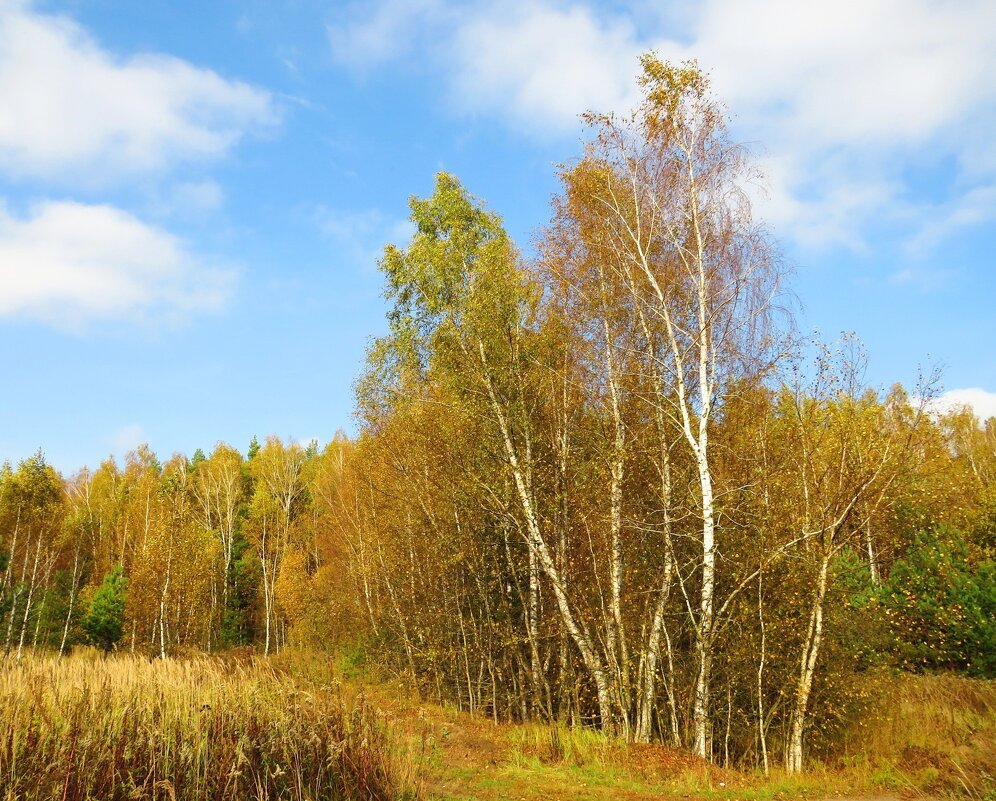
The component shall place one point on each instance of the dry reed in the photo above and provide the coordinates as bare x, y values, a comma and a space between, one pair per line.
125, 728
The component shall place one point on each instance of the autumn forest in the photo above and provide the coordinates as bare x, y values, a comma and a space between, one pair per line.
608, 485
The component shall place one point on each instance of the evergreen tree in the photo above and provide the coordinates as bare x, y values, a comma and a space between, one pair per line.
105, 622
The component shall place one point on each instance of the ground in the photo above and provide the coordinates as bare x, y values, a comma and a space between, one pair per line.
455, 756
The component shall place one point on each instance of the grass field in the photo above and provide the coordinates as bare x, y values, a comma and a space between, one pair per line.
125, 728
289, 728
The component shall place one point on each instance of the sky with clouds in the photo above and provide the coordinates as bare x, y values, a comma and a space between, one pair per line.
193, 196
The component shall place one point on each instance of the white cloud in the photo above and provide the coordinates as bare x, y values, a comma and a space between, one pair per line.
853, 95
71, 109
878, 70
545, 65
849, 95
925, 279
364, 35
980, 401
827, 205
68, 264
974, 207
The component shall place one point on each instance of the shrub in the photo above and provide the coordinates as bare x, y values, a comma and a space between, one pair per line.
940, 600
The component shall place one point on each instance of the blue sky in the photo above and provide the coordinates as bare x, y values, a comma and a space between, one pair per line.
193, 196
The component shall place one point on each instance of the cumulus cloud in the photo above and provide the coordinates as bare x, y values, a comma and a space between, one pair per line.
881, 70
850, 96
829, 71
980, 401
68, 264
853, 97
72, 109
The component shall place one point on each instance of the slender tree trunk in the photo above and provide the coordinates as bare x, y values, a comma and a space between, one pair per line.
585, 645
162, 604
73, 589
264, 564
18, 590
807, 668
704, 639
872, 556
50, 562
616, 644
9, 573
650, 663
212, 620
761, 732
565, 706
406, 639
365, 578
532, 617
27, 603
700, 709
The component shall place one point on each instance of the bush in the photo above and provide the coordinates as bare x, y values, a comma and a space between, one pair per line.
940, 601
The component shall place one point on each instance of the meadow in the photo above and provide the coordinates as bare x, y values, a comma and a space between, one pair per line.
303, 726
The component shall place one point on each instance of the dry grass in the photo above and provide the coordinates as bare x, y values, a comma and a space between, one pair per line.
933, 734
948, 720
244, 728
124, 728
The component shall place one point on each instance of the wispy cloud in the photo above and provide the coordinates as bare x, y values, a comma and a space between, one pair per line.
974, 207
363, 35
127, 438
73, 111
189, 199
68, 264
360, 236
925, 279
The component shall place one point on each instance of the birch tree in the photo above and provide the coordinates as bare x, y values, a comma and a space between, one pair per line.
34, 507
219, 487
676, 230
850, 447
277, 471
462, 309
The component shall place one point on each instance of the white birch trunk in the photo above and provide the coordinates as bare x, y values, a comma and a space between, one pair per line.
585, 645
807, 668
73, 589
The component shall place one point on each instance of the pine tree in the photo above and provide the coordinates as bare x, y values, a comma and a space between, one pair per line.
104, 623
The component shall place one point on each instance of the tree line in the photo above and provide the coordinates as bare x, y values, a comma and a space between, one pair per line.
606, 485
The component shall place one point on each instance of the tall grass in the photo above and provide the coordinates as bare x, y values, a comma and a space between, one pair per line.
927, 736
125, 728
935, 734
